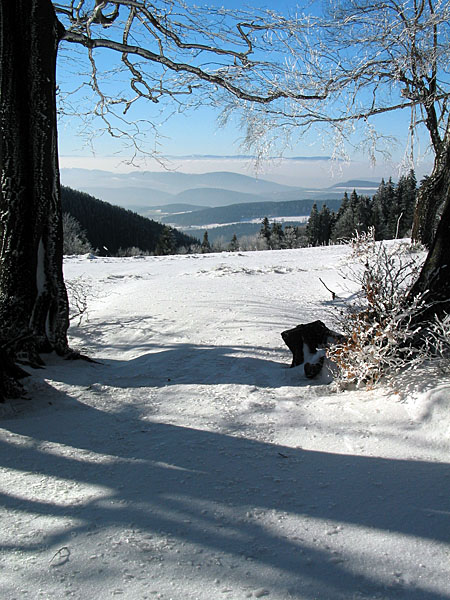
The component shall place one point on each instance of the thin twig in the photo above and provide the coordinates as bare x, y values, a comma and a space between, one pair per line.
62, 555
333, 294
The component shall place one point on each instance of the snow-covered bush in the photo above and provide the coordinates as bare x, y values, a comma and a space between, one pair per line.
438, 342
131, 251
377, 323
75, 240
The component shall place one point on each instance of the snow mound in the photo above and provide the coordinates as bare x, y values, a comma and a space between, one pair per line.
224, 270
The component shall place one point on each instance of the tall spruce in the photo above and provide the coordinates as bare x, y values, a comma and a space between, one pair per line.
166, 243
392, 210
380, 212
206, 246
233, 246
313, 227
406, 198
364, 214
325, 226
346, 218
265, 231
276, 236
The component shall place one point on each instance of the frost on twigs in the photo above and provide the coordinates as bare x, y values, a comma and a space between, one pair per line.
80, 293
381, 340
438, 342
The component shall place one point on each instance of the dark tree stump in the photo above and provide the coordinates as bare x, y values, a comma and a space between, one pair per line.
314, 336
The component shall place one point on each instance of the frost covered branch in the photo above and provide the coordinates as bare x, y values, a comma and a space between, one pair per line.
333, 66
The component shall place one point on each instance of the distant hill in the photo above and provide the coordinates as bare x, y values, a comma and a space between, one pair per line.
112, 227
237, 213
235, 182
357, 184
214, 197
158, 212
152, 188
142, 191
132, 198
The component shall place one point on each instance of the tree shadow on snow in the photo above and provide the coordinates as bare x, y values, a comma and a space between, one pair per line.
226, 494
186, 364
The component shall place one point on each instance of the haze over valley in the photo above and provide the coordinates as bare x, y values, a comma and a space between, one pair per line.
218, 201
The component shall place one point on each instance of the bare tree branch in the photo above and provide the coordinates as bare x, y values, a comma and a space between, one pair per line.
339, 66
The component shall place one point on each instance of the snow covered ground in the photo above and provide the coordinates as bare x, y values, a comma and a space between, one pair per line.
192, 463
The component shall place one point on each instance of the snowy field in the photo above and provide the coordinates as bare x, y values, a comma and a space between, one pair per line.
192, 463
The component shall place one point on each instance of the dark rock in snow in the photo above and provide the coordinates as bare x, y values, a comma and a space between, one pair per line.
305, 340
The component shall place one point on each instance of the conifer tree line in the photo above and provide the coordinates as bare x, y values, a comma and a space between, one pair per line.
390, 212
111, 230
274, 237
93, 225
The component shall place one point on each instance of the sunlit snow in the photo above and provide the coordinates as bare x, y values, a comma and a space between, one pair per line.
192, 463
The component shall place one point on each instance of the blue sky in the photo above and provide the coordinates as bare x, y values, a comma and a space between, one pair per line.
197, 133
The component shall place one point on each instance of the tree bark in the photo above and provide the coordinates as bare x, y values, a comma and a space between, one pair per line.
433, 283
33, 298
432, 195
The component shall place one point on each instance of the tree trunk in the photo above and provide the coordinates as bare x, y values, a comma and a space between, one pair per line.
434, 279
33, 298
432, 195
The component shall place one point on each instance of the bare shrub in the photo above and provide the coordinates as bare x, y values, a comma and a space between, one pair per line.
377, 323
80, 293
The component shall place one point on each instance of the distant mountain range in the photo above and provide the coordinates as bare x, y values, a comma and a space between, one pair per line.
222, 202
143, 191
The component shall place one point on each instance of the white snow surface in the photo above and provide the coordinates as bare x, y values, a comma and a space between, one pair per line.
192, 463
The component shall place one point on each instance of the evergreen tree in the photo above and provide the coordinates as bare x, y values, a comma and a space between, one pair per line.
406, 199
346, 218
364, 214
379, 212
325, 226
354, 204
313, 227
265, 232
166, 243
276, 236
234, 244
206, 246
392, 210
344, 205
